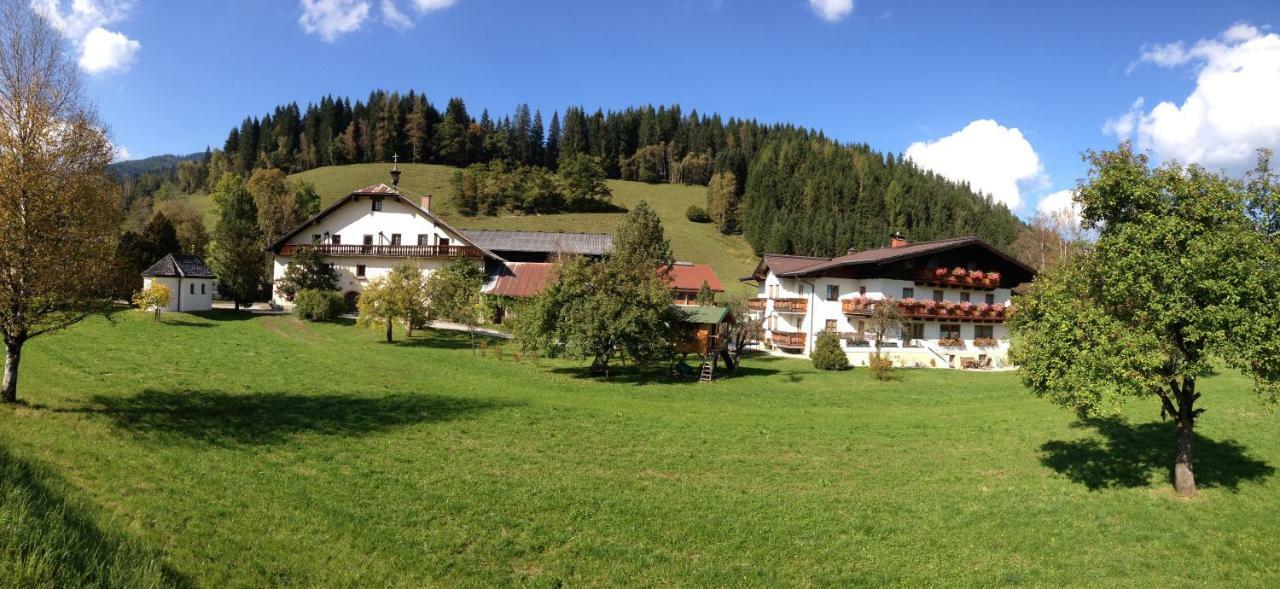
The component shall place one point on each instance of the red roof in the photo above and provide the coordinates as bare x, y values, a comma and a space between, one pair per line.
687, 276
376, 189
521, 279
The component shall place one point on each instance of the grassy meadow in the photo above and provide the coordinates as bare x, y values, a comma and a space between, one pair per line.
729, 256
236, 450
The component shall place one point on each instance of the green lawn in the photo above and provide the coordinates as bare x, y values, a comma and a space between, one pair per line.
246, 451
729, 256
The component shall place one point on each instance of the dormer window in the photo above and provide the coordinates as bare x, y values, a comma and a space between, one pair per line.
376, 203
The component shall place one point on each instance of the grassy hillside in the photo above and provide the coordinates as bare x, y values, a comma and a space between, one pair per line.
730, 256
234, 450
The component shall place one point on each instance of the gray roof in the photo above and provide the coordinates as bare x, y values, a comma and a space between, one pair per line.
586, 244
180, 265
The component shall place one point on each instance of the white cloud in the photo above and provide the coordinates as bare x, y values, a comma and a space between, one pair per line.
1231, 112
392, 17
332, 18
993, 159
105, 51
829, 10
425, 6
120, 154
1060, 203
84, 24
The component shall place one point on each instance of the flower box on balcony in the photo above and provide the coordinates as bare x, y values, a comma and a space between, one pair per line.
951, 342
985, 342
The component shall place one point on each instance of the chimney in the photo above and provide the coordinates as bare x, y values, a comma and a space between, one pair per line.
897, 240
395, 171
426, 203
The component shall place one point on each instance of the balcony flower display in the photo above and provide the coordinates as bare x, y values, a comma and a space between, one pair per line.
930, 306
940, 272
982, 310
959, 272
985, 342
951, 342
997, 309
993, 277
964, 308
977, 275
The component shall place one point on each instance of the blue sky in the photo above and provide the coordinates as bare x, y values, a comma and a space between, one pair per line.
1004, 94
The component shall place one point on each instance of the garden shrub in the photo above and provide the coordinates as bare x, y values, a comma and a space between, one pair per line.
697, 214
827, 354
318, 305
880, 366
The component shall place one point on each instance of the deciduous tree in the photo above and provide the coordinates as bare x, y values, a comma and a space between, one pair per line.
400, 296
1180, 277
155, 297
454, 295
59, 212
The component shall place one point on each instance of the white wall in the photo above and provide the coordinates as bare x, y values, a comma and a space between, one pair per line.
185, 294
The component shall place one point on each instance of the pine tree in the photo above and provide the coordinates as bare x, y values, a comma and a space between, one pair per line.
551, 155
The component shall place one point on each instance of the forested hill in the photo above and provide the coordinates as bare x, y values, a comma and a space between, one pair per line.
787, 189
156, 164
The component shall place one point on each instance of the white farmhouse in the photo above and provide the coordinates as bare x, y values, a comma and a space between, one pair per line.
189, 280
368, 232
954, 295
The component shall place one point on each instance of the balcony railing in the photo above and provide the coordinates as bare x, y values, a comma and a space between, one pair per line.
787, 339
790, 305
388, 251
755, 304
970, 279
945, 311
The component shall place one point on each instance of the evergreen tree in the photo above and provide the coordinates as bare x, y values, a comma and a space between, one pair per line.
551, 154
237, 257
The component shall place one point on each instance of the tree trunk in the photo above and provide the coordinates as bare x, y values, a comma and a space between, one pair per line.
1184, 480
9, 387
473, 340
389, 323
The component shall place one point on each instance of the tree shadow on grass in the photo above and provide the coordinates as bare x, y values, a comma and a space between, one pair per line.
49, 540
445, 339
1128, 456
223, 419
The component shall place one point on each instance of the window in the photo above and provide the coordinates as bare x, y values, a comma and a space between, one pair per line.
981, 331
773, 291
424, 239
833, 292
907, 292
201, 288
950, 331
395, 239
193, 288
359, 270
368, 242
912, 332
444, 242
336, 239
964, 297
991, 299
831, 325
862, 291
937, 296
862, 328
377, 204
316, 237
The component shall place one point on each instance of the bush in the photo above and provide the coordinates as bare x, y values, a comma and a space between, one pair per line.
697, 214
318, 305
827, 354
880, 366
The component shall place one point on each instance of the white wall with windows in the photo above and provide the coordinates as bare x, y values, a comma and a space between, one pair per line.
186, 295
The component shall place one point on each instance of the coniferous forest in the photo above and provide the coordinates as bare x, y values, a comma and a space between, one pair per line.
785, 188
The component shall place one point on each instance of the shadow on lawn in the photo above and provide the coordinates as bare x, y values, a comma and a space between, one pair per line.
658, 374
223, 419
1130, 454
51, 541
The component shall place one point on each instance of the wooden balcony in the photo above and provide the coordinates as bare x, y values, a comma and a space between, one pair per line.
790, 305
930, 276
787, 339
755, 305
387, 251
855, 307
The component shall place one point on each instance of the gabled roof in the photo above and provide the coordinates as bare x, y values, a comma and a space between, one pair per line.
521, 279
378, 190
179, 265
690, 276
706, 314
886, 255
585, 244
781, 263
